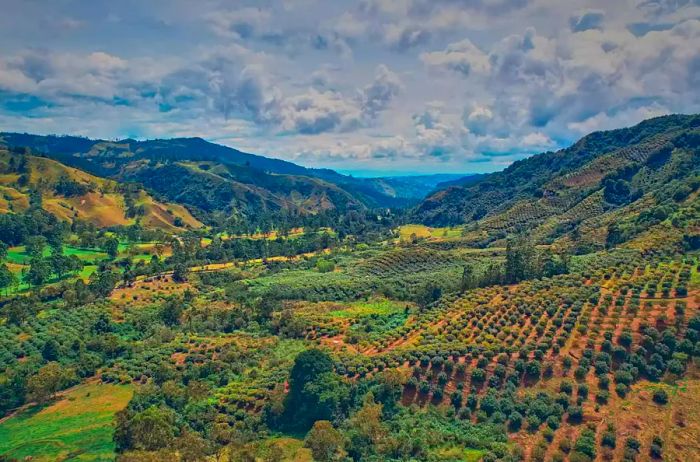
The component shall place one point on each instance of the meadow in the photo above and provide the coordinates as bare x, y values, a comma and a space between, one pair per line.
78, 426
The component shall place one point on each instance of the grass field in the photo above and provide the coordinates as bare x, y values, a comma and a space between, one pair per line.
19, 254
18, 259
77, 427
424, 232
455, 453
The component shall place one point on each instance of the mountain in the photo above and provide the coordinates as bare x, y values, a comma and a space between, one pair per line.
211, 180
419, 186
602, 180
72, 194
460, 180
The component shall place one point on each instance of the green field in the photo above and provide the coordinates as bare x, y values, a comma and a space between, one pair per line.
77, 427
425, 232
18, 258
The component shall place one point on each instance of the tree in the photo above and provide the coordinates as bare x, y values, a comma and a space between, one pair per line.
51, 378
39, 271
325, 442
468, 278
150, 430
316, 392
614, 235
50, 351
171, 312
180, 272
7, 278
111, 246
62, 264
192, 447
520, 259
35, 246
366, 431
428, 293
103, 282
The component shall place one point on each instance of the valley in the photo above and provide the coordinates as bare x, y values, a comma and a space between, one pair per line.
179, 300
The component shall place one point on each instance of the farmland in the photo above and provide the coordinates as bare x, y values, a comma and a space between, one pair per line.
562, 325
77, 427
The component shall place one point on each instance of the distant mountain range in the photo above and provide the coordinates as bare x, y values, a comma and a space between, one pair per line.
209, 179
187, 182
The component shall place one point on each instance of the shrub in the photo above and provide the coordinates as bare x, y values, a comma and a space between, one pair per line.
656, 448
566, 387
621, 389
660, 396
575, 414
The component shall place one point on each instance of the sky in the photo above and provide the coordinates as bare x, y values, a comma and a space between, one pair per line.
390, 86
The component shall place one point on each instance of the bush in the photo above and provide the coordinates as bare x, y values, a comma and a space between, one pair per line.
608, 439
621, 389
602, 397
566, 387
583, 391
660, 396
656, 448
575, 414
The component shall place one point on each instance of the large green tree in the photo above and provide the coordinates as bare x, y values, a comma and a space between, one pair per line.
316, 392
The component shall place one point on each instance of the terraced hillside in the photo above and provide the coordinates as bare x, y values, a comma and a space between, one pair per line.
593, 183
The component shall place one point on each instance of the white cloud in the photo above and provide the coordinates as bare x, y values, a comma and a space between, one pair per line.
462, 57
378, 95
319, 111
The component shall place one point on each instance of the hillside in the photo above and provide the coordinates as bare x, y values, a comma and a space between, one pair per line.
604, 178
72, 194
575, 340
245, 175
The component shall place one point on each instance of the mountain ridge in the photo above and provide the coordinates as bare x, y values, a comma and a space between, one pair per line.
557, 194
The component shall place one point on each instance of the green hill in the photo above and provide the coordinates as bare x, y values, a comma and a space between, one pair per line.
241, 174
72, 194
632, 178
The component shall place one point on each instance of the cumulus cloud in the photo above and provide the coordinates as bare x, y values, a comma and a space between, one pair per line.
459, 81
462, 57
319, 111
59, 75
436, 136
377, 96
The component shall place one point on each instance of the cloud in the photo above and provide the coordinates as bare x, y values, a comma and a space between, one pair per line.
63, 75
462, 57
317, 112
435, 136
379, 81
241, 23
587, 20
478, 120
618, 119
377, 96
405, 37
